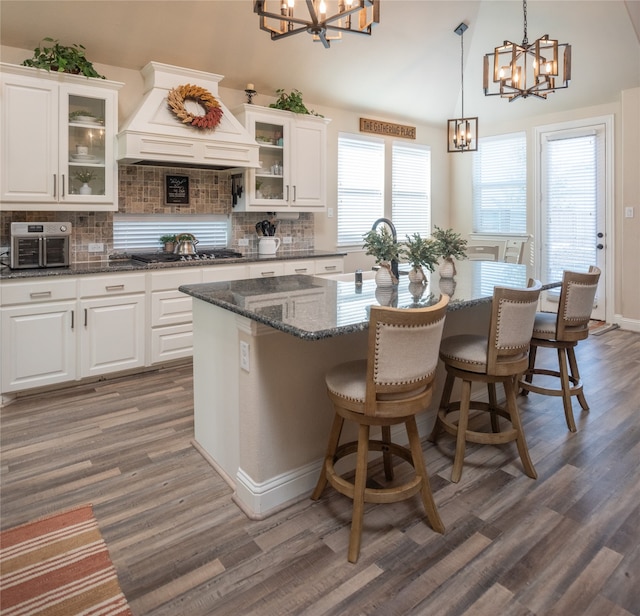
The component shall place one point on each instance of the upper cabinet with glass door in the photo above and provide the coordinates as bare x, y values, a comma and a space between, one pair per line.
293, 161
58, 141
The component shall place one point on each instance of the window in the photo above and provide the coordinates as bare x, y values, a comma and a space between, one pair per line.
500, 184
142, 232
360, 186
411, 189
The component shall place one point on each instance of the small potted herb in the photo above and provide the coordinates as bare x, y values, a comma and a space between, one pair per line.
420, 252
384, 249
169, 241
450, 246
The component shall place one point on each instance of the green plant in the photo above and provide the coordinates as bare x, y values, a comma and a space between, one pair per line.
78, 114
62, 58
381, 245
167, 238
292, 102
420, 252
449, 243
84, 175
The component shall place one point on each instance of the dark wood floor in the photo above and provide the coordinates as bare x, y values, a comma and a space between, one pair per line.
565, 544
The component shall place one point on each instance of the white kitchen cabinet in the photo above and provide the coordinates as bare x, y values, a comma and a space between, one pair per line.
56, 127
112, 327
38, 340
293, 161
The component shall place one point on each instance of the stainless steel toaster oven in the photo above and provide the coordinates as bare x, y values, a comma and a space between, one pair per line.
40, 244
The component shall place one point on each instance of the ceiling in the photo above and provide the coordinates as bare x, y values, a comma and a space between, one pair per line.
409, 69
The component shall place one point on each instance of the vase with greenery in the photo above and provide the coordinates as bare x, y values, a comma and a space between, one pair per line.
292, 102
84, 176
450, 246
421, 253
62, 58
381, 245
168, 240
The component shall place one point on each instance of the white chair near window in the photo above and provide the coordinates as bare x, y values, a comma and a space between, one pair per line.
481, 252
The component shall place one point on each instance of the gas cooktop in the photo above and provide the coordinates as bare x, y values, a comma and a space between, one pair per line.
202, 255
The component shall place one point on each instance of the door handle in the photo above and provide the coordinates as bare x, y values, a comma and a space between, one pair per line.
62, 186
599, 246
73, 314
85, 317
600, 234
55, 186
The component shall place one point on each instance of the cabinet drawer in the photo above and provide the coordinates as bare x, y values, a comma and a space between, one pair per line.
170, 307
112, 285
329, 266
170, 281
41, 291
222, 273
299, 267
168, 343
264, 270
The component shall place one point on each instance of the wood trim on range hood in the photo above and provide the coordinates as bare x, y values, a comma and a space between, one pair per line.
153, 134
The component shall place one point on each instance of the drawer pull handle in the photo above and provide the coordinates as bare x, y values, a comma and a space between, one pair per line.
329, 267
39, 294
301, 270
114, 287
271, 273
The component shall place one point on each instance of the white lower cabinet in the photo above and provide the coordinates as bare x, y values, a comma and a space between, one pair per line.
56, 330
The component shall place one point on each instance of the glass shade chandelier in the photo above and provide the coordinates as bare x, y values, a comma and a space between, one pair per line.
516, 71
462, 133
325, 20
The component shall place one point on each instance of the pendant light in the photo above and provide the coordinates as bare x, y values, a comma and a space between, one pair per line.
462, 133
518, 71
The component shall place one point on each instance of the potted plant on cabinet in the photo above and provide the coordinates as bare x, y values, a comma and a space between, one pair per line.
168, 240
421, 253
84, 176
381, 245
450, 246
62, 58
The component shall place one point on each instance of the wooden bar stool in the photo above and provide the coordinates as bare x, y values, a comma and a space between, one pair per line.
390, 387
563, 331
499, 357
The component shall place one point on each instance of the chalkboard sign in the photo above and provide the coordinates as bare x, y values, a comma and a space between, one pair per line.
176, 191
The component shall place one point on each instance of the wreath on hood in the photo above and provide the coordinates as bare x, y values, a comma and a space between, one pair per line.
213, 111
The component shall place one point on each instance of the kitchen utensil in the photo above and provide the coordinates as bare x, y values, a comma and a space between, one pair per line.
259, 228
265, 227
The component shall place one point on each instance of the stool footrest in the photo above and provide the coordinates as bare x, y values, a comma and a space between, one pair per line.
574, 390
473, 436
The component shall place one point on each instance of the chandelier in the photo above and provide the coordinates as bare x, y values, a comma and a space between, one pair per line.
527, 69
357, 16
462, 133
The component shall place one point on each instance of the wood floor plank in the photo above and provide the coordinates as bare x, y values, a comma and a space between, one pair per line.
567, 543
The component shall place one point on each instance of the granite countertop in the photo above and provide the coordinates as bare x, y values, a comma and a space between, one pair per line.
128, 265
342, 307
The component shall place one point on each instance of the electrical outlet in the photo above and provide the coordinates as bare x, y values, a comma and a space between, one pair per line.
329, 212
243, 242
96, 247
244, 355
628, 212
287, 240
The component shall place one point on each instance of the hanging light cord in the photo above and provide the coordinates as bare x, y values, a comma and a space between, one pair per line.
525, 40
462, 69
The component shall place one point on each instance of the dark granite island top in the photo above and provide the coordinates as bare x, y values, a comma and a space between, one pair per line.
341, 306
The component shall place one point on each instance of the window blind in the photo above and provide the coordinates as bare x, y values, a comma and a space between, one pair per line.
142, 232
360, 186
573, 185
411, 189
500, 184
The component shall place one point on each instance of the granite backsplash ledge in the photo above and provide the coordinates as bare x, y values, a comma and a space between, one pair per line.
141, 191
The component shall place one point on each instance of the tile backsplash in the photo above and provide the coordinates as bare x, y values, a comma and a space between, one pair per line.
141, 191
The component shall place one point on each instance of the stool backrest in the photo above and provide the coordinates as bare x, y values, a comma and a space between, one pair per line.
577, 296
477, 252
402, 358
513, 313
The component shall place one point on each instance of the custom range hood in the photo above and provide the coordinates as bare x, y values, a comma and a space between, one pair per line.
155, 135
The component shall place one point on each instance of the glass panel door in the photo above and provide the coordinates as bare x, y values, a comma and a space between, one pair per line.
270, 179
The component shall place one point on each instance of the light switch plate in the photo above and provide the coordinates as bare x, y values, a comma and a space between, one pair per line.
628, 212
244, 355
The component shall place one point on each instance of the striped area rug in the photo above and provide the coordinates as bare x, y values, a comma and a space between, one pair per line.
59, 566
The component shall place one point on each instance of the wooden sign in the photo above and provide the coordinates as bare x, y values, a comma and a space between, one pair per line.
387, 128
176, 190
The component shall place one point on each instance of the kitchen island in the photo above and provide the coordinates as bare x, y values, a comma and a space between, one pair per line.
261, 349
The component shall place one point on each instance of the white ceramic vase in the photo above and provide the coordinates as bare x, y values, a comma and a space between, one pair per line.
447, 268
417, 275
85, 189
384, 279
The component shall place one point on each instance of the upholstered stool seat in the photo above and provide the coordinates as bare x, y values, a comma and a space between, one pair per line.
562, 331
388, 388
499, 357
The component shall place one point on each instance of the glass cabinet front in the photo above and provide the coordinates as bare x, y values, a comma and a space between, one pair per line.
86, 146
270, 182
